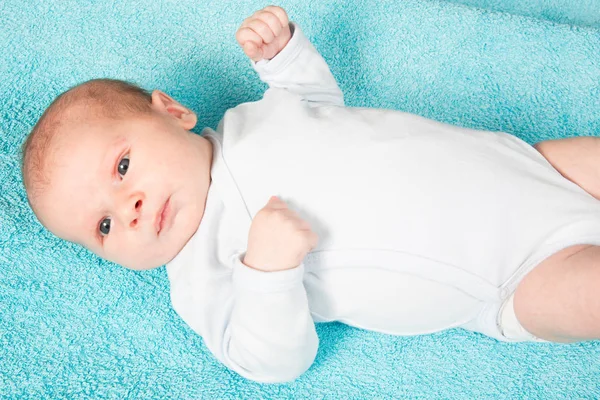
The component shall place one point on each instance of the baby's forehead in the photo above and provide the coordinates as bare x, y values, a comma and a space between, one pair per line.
73, 130
89, 140
75, 170
79, 146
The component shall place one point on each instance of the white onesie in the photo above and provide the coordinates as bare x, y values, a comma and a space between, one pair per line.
422, 226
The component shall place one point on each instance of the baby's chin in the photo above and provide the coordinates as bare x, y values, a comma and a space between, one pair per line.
147, 261
145, 265
155, 259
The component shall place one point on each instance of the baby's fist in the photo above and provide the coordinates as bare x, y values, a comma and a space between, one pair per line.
265, 33
279, 239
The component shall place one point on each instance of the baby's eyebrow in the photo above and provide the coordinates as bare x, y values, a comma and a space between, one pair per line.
108, 165
112, 155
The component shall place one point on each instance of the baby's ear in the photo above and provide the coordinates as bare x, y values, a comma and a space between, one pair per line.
164, 103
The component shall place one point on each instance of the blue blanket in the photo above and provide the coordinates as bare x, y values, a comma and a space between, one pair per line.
75, 326
580, 12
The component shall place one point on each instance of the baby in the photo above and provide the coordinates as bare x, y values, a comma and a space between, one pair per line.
299, 210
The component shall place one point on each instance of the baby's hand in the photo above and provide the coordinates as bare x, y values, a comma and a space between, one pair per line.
279, 239
265, 33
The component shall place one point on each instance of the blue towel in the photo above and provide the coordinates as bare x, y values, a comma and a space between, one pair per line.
581, 12
74, 326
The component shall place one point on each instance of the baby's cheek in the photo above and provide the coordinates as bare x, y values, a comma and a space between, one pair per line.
117, 249
139, 253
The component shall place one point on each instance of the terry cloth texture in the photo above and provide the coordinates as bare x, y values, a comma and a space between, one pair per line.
584, 12
74, 326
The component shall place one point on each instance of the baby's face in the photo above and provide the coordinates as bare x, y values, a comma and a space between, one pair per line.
131, 191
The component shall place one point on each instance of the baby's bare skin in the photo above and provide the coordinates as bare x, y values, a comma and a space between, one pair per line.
559, 300
135, 169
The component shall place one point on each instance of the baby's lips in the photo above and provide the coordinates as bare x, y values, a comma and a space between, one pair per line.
160, 215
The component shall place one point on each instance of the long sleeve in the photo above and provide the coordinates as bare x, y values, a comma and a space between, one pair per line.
271, 335
256, 323
300, 69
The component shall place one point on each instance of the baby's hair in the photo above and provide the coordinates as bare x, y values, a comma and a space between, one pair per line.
97, 98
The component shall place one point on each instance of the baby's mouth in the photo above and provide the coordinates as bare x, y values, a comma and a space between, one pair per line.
162, 215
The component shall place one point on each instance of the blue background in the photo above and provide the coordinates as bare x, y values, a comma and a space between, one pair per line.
74, 326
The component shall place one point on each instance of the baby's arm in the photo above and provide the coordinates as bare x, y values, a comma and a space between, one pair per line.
285, 58
268, 334
257, 320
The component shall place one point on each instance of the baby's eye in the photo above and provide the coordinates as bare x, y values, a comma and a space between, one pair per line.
104, 227
123, 166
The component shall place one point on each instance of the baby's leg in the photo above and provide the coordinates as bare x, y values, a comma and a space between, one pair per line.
577, 159
559, 300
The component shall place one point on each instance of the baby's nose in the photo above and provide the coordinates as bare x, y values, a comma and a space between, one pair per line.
131, 210
137, 211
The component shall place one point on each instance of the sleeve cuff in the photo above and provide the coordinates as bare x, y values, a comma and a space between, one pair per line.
252, 279
285, 56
